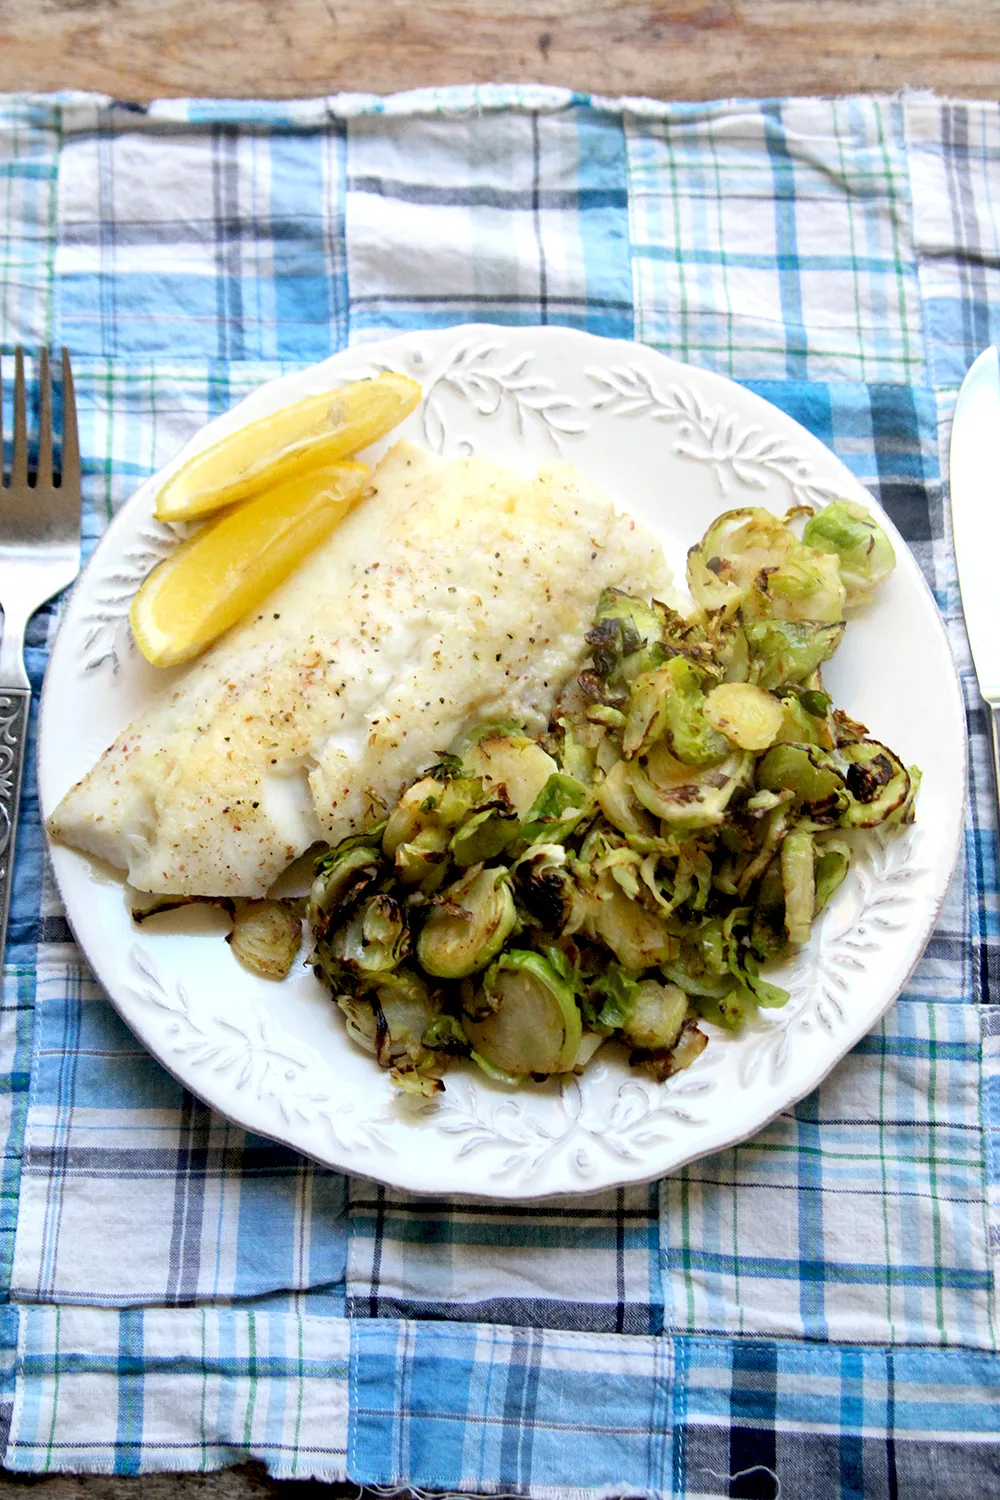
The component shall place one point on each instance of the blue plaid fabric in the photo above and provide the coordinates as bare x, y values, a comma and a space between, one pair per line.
810, 1314
694, 1417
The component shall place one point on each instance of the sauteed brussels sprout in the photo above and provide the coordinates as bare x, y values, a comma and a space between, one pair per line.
630, 873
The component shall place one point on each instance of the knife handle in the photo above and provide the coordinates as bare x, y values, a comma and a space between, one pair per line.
995, 736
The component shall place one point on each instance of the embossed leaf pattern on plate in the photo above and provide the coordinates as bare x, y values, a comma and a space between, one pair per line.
707, 432
695, 436
258, 1059
579, 1120
105, 632
873, 904
483, 375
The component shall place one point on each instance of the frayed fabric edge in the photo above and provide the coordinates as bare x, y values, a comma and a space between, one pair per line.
529, 1492
83, 112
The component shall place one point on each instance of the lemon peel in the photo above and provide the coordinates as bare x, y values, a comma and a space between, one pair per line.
313, 432
224, 571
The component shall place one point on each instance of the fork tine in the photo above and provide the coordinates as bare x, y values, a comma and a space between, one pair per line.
19, 468
70, 467
43, 477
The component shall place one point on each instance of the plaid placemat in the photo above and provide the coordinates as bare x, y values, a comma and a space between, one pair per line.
810, 1314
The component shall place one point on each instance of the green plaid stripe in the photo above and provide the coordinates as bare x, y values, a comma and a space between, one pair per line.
804, 1272
775, 239
190, 1390
135, 414
953, 151
30, 141
879, 1175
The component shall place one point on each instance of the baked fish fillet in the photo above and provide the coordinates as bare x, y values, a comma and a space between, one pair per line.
455, 593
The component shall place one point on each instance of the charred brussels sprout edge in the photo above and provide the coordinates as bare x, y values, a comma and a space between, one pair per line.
630, 872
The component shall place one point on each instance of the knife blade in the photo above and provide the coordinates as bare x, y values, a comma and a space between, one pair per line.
975, 515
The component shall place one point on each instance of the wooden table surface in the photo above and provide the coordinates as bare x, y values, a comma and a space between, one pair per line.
676, 49
667, 49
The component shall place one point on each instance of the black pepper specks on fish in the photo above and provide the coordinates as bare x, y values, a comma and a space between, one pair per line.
468, 557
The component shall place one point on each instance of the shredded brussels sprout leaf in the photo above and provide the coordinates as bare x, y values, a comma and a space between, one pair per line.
634, 870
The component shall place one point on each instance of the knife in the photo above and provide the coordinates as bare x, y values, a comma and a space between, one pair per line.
975, 515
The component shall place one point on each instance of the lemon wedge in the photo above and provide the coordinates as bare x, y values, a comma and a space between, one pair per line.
310, 433
222, 572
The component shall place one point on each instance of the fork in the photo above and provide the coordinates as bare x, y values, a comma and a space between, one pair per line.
39, 556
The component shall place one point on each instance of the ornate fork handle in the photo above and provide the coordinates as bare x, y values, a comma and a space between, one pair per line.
15, 707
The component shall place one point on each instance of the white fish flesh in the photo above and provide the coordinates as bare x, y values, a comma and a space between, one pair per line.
455, 593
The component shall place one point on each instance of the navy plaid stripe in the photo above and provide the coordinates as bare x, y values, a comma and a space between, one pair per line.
557, 183
452, 1407
588, 1264
813, 1309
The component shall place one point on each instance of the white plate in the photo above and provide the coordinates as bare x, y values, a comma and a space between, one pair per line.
674, 446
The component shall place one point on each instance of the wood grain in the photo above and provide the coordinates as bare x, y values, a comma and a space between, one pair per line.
676, 49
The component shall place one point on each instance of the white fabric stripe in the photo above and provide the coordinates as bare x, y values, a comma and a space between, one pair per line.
195, 1412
